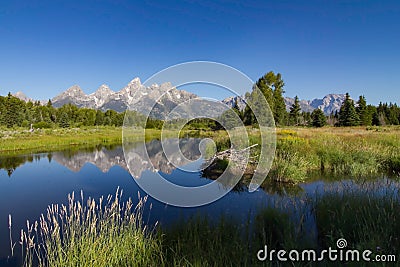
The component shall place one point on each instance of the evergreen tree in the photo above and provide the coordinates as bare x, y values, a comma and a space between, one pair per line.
248, 116
64, 120
271, 86
2, 110
393, 114
280, 113
229, 118
99, 118
381, 113
363, 112
375, 119
318, 118
265, 84
13, 111
51, 111
348, 115
295, 110
111, 118
372, 111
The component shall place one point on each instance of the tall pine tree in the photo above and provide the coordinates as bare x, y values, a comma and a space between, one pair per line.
348, 115
295, 110
271, 86
318, 118
280, 113
363, 112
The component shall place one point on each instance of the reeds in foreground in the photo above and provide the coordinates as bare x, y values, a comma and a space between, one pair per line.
95, 234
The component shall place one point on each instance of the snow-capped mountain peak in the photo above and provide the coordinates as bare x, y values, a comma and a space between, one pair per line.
134, 95
135, 81
100, 96
74, 90
22, 96
104, 89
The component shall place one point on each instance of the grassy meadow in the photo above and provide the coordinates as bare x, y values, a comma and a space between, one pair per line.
357, 152
20, 140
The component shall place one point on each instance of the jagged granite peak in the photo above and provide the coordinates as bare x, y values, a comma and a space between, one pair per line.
75, 90
103, 90
135, 82
330, 103
22, 96
73, 95
100, 96
132, 86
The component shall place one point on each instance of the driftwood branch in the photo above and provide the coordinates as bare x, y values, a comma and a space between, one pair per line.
240, 158
237, 154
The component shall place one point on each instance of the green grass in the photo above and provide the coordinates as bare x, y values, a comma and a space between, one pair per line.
365, 218
20, 141
199, 241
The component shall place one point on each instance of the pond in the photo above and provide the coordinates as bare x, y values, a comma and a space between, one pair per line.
31, 182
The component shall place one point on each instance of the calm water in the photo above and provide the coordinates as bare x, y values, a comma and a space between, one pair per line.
29, 183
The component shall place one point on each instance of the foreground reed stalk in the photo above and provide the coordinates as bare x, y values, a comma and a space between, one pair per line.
12, 245
95, 234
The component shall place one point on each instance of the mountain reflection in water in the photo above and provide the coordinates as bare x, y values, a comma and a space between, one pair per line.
105, 157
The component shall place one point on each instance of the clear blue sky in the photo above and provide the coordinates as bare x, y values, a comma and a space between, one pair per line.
320, 47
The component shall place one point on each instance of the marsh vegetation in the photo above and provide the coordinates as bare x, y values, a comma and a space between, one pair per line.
111, 232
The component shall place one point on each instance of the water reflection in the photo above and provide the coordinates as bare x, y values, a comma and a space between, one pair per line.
11, 163
105, 157
164, 156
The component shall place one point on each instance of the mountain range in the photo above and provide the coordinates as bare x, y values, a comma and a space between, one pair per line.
328, 104
161, 99
134, 96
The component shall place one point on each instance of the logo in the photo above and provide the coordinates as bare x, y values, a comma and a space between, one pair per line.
331, 254
175, 109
